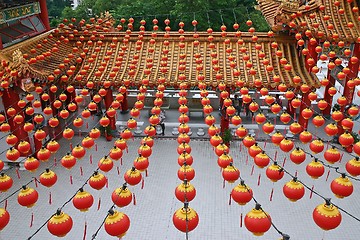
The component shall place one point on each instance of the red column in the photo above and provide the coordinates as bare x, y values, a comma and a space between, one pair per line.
1, 45
354, 70
108, 99
224, 121
124, 104
10, 99
44, 15
327, 97
305, 102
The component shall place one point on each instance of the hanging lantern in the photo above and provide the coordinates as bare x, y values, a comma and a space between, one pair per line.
18, 119
248, 141
305, 137
24, 147
297, 156
221, 148
185, 192
53, 146
149, 130
317, 146
83, 200
322, 104
122, 196
105, 164
5, 127
342, 186
337, 116
185, 158
353, 167
185, 219
117, 224
276, 138
141, 163
31, 164
68, 161
331, 129
121, 143
318, 121
296, 102
212, 130
295, 128
315, 169
28, 127
183, 118
242, 194
5, 182
327, 216
231, 173
268, 128
260, 118
224, 160
183, 137
97, 181
274, 172
11, 139
68, 133
257, 221
235, 120
48, 178
307, 113
346, 139
115, 153
87, 142
78, 122
261, 160
347, 124
332, 155
27, 197
254, 150
4, 218
78, 152
12, 154
60, 224
183, 147
186, 172
133, 176
40, 134
294, 190
94, 133
286, 145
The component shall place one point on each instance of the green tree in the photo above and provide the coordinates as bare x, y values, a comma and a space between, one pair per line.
55, 9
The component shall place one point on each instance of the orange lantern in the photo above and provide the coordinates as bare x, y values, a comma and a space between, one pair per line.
327, 216
27, 197
342, 186
257, 221
185, 219
83, 200
116, 224
60, 224
5, 182
294, 190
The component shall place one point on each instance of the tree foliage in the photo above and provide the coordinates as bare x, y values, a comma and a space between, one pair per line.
208, 13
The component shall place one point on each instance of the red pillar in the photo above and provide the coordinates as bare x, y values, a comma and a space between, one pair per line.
44, 15
305, 102
327, 97
224, 121
124, 104
10, 99
108, 99
354, 71
1, 45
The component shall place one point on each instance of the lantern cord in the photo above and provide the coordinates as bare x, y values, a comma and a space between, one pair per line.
43, 225
16, 191
234, 15
221, 16
208, 18
102, 223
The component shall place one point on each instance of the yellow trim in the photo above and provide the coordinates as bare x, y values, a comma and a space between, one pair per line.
181, 214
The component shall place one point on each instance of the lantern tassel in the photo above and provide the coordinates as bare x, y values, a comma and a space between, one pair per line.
224, 183
6, 203
341, 157
230, 199
107, 184
134, 199
36, 182
81, 171
85, 230
265, 145
91, 159
79, 133
327, 176
142, 183
252, 170
311, 192
284, 162
50, 198
247, 160
99, 204
87, 125
118, 170
96, 147
121, 161
127, 150
71, 146
259, 179
241, 219
271, 194
296, 173
275, 157
146, 172
55, 161
17, 173
71, 180
32, 219
240, 147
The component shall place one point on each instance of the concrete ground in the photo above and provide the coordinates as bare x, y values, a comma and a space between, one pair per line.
151, 217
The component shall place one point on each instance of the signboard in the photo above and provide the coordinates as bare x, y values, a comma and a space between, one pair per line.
14, 13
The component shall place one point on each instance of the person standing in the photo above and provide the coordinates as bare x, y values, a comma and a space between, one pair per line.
162, 123
237, 103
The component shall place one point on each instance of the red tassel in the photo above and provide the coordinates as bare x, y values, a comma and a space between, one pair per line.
265, 145
127, 150
142, 184
107, 184
6, 203
271, 194
134, 199
99, 203
79, 133
50, 198
81, 171
87, 125
90, 158
17, 173
252, 170
85, 230
247, 160
32, 219
224, 183
327, 176
36, 182
118, 170
71, 146
93, 117
121, 161
275, 156
284, 162
311, 192
241, 219
55, 162
259, 179
96, 147
341, 157
71, 180
240, 147
146, 172
230, 199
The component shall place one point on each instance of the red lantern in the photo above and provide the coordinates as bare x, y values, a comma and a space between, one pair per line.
297, 156
48, 178
27, 197
315, 169
115, 153
185, 219
12, 154
97, 181
342, 186
145, 150
68, 161
78, 152
331, 129
305, 137
105, 164
5, 182
185, 158
53, 146
24, 147
327, 216
248, 141
286, 145
353, 167
31, 164
294, 190
254, 150
141, 163
87, 142
183, 147
117, 224
318, 121
133, 176
242, 194
261, 160
185, 192
94, 133
346, 139
317, 146
83, 200
68, 133
276, 138
186, 172
230, 173
60, 224
274, 172
268, 128
122, 196
4, 218
332, 155
257, 221
11, 139
295, 128
224, 160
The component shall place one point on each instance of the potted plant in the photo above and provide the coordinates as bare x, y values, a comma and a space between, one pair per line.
108, 132
227, 137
